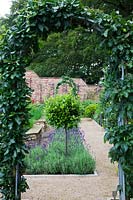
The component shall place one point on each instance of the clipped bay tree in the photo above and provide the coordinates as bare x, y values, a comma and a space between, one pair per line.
63, 111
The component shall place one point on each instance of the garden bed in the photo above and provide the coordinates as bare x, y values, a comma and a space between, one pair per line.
60, 175
79, 187
50, 157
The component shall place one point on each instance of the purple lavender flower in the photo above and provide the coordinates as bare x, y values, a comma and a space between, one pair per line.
30, 144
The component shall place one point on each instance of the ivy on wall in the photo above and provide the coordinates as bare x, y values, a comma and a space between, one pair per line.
20, 42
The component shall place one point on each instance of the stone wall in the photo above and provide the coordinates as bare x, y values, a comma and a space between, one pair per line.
45, 87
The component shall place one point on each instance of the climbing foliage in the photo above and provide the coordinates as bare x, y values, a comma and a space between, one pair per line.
68, 81
118, 89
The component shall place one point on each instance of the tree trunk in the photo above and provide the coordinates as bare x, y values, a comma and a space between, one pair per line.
66, 142
17, 183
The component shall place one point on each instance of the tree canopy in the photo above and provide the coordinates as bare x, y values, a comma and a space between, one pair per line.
125, 7
86, 61
75, 53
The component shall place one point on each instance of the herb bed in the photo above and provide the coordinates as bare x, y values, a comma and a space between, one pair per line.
50, 157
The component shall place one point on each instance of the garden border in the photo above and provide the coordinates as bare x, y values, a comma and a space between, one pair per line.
62, 175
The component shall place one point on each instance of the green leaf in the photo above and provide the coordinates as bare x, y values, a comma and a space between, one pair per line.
44, 19
12, 141
15, 154
1, 175
58, 24
46, 28
124, 147
7, 151
18, 120
120, 47
41, 27
106, 33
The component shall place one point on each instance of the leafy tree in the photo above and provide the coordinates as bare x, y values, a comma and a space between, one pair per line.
75, 53
18, 5
63, 111
125, 7
3, 27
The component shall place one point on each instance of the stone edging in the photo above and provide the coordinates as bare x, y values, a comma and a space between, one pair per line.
61, 175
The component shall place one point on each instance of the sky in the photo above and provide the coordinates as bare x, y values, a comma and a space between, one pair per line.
4, 7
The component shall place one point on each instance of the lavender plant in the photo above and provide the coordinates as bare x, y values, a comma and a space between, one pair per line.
51, 159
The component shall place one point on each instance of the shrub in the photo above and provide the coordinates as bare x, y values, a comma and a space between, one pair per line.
87, 102
53, 160
35, 160
63, 111
90, 110
84, 104
99, 115
36, 112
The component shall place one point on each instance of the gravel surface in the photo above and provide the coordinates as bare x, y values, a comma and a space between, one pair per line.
98, 187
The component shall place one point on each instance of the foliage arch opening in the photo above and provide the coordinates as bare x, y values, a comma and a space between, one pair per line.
21, 40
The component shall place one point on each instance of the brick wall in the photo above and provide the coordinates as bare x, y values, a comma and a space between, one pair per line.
45, 87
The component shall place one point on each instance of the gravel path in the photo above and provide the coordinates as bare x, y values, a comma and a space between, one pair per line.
98, 187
